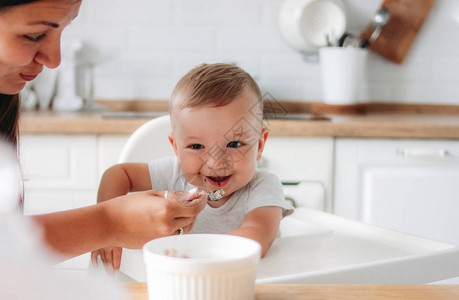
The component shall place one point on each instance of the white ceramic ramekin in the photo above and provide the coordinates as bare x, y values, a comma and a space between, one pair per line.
201, 267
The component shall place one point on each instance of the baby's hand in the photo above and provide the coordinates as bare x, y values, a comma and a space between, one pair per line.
110, 256
193, 197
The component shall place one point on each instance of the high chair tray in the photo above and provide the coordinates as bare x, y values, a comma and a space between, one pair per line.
317, 247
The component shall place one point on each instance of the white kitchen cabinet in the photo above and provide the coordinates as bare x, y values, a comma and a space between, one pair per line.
59, 161
40, 201
63, 171
405, 185
109, 148
305, 166
59, 171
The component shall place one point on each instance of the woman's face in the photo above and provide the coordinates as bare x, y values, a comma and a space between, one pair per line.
30, 39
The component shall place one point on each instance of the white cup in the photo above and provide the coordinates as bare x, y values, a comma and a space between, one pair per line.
342, 72
201, 267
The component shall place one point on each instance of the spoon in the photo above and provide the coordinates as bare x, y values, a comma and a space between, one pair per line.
380, 19
349, 40
213, 195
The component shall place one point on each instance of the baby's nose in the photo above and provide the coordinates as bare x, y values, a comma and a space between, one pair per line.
222, 161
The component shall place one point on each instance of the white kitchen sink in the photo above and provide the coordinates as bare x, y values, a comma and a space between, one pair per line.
318, 247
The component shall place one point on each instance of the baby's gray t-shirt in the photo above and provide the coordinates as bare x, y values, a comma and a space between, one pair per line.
265, 189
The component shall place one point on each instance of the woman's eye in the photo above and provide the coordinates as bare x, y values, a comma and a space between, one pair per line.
35, 38
196, 146
234, 144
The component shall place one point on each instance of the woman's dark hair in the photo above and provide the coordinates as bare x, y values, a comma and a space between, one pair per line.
9, 117
7, 3
10, 104
10, 107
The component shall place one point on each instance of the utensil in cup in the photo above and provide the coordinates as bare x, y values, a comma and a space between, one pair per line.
380, 19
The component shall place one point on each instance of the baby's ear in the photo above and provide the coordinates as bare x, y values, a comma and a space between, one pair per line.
262, 141
170, 136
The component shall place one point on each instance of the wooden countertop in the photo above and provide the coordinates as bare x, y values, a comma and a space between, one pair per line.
418, 123
138, 291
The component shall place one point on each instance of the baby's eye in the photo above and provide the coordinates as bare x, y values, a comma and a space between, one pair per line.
35, 38
196, 146
234, 144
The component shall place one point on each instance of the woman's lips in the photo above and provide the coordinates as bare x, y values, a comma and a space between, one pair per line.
218, 181
27, 77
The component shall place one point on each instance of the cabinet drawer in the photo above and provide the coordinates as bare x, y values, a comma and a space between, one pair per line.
109, 149
298, 159
404, 185
46, 201
407, 150
307, 162
59, 162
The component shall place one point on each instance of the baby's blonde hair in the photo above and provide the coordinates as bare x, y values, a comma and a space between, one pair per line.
212, 84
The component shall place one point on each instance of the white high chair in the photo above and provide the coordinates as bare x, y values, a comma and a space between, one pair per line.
148, 142
320, 248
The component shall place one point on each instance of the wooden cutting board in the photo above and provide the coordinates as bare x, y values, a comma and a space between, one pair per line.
407, 17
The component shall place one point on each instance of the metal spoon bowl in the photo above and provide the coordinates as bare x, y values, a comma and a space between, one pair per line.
380, 19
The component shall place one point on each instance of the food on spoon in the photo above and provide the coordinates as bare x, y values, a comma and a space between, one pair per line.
216, 195
213, 195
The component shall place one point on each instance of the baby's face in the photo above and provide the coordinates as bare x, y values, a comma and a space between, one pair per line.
217, 147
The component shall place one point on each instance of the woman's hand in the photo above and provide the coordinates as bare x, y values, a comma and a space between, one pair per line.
127, 221
135, 219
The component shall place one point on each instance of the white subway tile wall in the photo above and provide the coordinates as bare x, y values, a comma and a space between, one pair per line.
146, 46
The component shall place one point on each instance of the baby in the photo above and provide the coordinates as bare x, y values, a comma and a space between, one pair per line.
218, 136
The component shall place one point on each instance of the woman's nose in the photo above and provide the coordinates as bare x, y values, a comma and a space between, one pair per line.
49, 54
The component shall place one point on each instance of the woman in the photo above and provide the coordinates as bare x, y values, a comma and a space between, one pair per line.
30, 32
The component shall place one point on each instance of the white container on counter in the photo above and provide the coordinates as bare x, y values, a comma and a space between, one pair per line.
343, 71
66, 95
